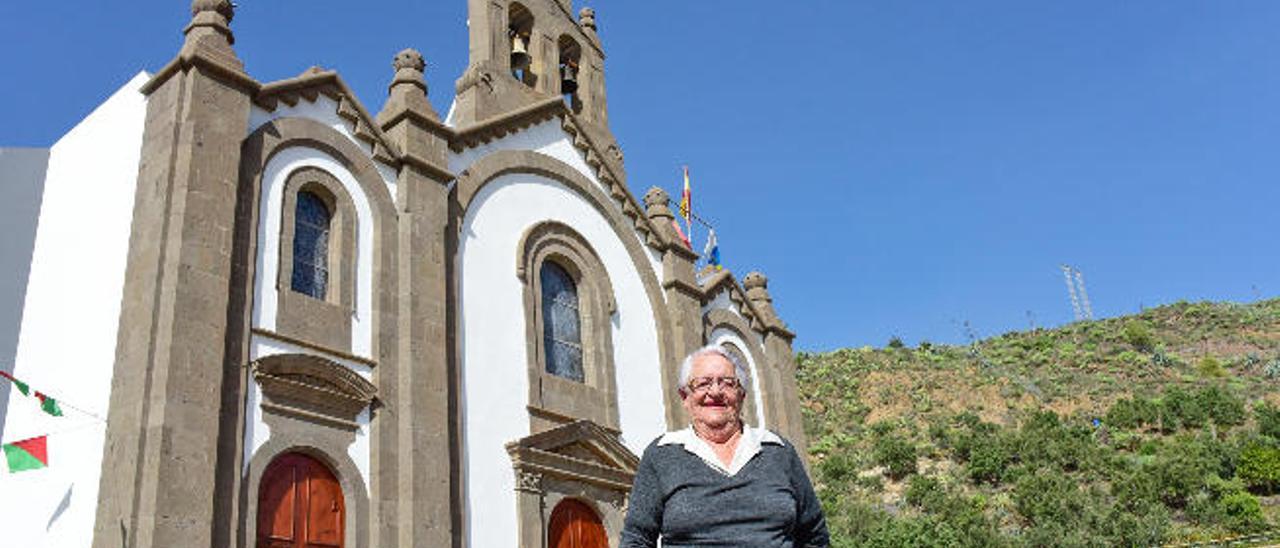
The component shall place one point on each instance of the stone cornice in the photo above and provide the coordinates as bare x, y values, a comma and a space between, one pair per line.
226, 70
725, 281
505, 124
315, 82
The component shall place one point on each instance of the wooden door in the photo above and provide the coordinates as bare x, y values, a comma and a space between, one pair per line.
575, 525
299, 505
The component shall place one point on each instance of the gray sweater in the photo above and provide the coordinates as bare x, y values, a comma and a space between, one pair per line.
678, 496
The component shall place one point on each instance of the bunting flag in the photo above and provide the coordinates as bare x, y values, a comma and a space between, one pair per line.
28, 454
22, 386
47, 404
712, 250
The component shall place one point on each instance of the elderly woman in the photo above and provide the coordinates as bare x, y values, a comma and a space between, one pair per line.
719, 482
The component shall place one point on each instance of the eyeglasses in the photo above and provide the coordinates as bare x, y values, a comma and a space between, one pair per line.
704, 384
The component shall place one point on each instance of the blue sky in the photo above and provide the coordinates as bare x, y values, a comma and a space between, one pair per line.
895, 168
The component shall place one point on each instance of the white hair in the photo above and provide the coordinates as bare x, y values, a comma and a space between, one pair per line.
739, 369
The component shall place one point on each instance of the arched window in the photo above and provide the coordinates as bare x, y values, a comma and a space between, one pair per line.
562, 322
311, 246
569, 307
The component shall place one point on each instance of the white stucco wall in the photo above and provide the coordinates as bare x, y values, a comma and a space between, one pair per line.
266, 290
721, 301
550, 139
325, 111
66, 346
491, 340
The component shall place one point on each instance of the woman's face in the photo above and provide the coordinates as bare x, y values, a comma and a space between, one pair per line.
717, 405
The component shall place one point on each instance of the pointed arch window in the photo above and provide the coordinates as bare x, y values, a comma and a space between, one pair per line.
311, 246
562, 322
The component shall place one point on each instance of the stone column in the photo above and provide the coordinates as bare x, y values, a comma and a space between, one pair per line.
684, 299
416, 445
169, 464
777, 345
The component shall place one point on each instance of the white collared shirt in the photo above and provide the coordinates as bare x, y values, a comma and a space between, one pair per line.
748, 447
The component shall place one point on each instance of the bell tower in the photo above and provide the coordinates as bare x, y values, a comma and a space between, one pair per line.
524, 52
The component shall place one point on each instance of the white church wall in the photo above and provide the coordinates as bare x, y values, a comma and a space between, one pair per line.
550, 139
325, 111
723, 302
492, 343
66, 346
266, 292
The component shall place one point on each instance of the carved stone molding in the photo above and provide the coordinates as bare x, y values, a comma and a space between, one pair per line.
312, 387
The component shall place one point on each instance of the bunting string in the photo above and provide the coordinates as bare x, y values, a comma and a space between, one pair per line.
50, 405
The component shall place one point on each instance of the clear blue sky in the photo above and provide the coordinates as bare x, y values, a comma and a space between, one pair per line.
893, 167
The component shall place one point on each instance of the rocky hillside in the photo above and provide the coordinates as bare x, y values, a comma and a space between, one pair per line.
1155, 428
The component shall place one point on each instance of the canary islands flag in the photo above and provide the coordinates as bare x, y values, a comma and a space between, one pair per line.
712, 250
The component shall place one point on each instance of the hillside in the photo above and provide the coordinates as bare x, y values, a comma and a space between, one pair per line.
996, 442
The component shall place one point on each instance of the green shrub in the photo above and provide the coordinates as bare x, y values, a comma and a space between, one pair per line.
1259, 467
1210, 367
1241, 513
987, 462
1145, 526
1220, 406
897, 455
1047, 497
1268, 418
1178, 409
1138, 335
926, 492
1132, 413
837, 468
896, 342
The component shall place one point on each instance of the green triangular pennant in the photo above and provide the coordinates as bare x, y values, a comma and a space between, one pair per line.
49, 405
29, 454
22, 386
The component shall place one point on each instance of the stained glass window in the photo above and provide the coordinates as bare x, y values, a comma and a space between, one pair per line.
311, 246
561, 323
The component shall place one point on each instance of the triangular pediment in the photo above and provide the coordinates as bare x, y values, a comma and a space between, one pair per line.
581, 449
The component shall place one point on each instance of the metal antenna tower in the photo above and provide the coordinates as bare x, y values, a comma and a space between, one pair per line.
1071, 290
1084, 295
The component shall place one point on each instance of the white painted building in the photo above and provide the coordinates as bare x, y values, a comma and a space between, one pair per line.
310, 324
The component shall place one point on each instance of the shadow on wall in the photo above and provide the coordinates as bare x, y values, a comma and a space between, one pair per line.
21, 187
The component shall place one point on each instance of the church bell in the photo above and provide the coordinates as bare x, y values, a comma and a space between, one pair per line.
519, 52
568, 78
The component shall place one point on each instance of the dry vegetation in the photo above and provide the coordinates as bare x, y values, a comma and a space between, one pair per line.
996, 442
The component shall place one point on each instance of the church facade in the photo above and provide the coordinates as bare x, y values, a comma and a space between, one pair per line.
310, 324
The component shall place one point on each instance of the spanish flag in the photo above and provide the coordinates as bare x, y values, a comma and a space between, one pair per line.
686, 198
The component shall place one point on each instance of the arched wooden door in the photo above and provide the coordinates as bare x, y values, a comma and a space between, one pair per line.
575, 525
299, 505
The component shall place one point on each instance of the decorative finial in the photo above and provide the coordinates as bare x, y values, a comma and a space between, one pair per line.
655, 203
754, 280
587, 19
221, 7
210, 27
408, 89
409, 58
